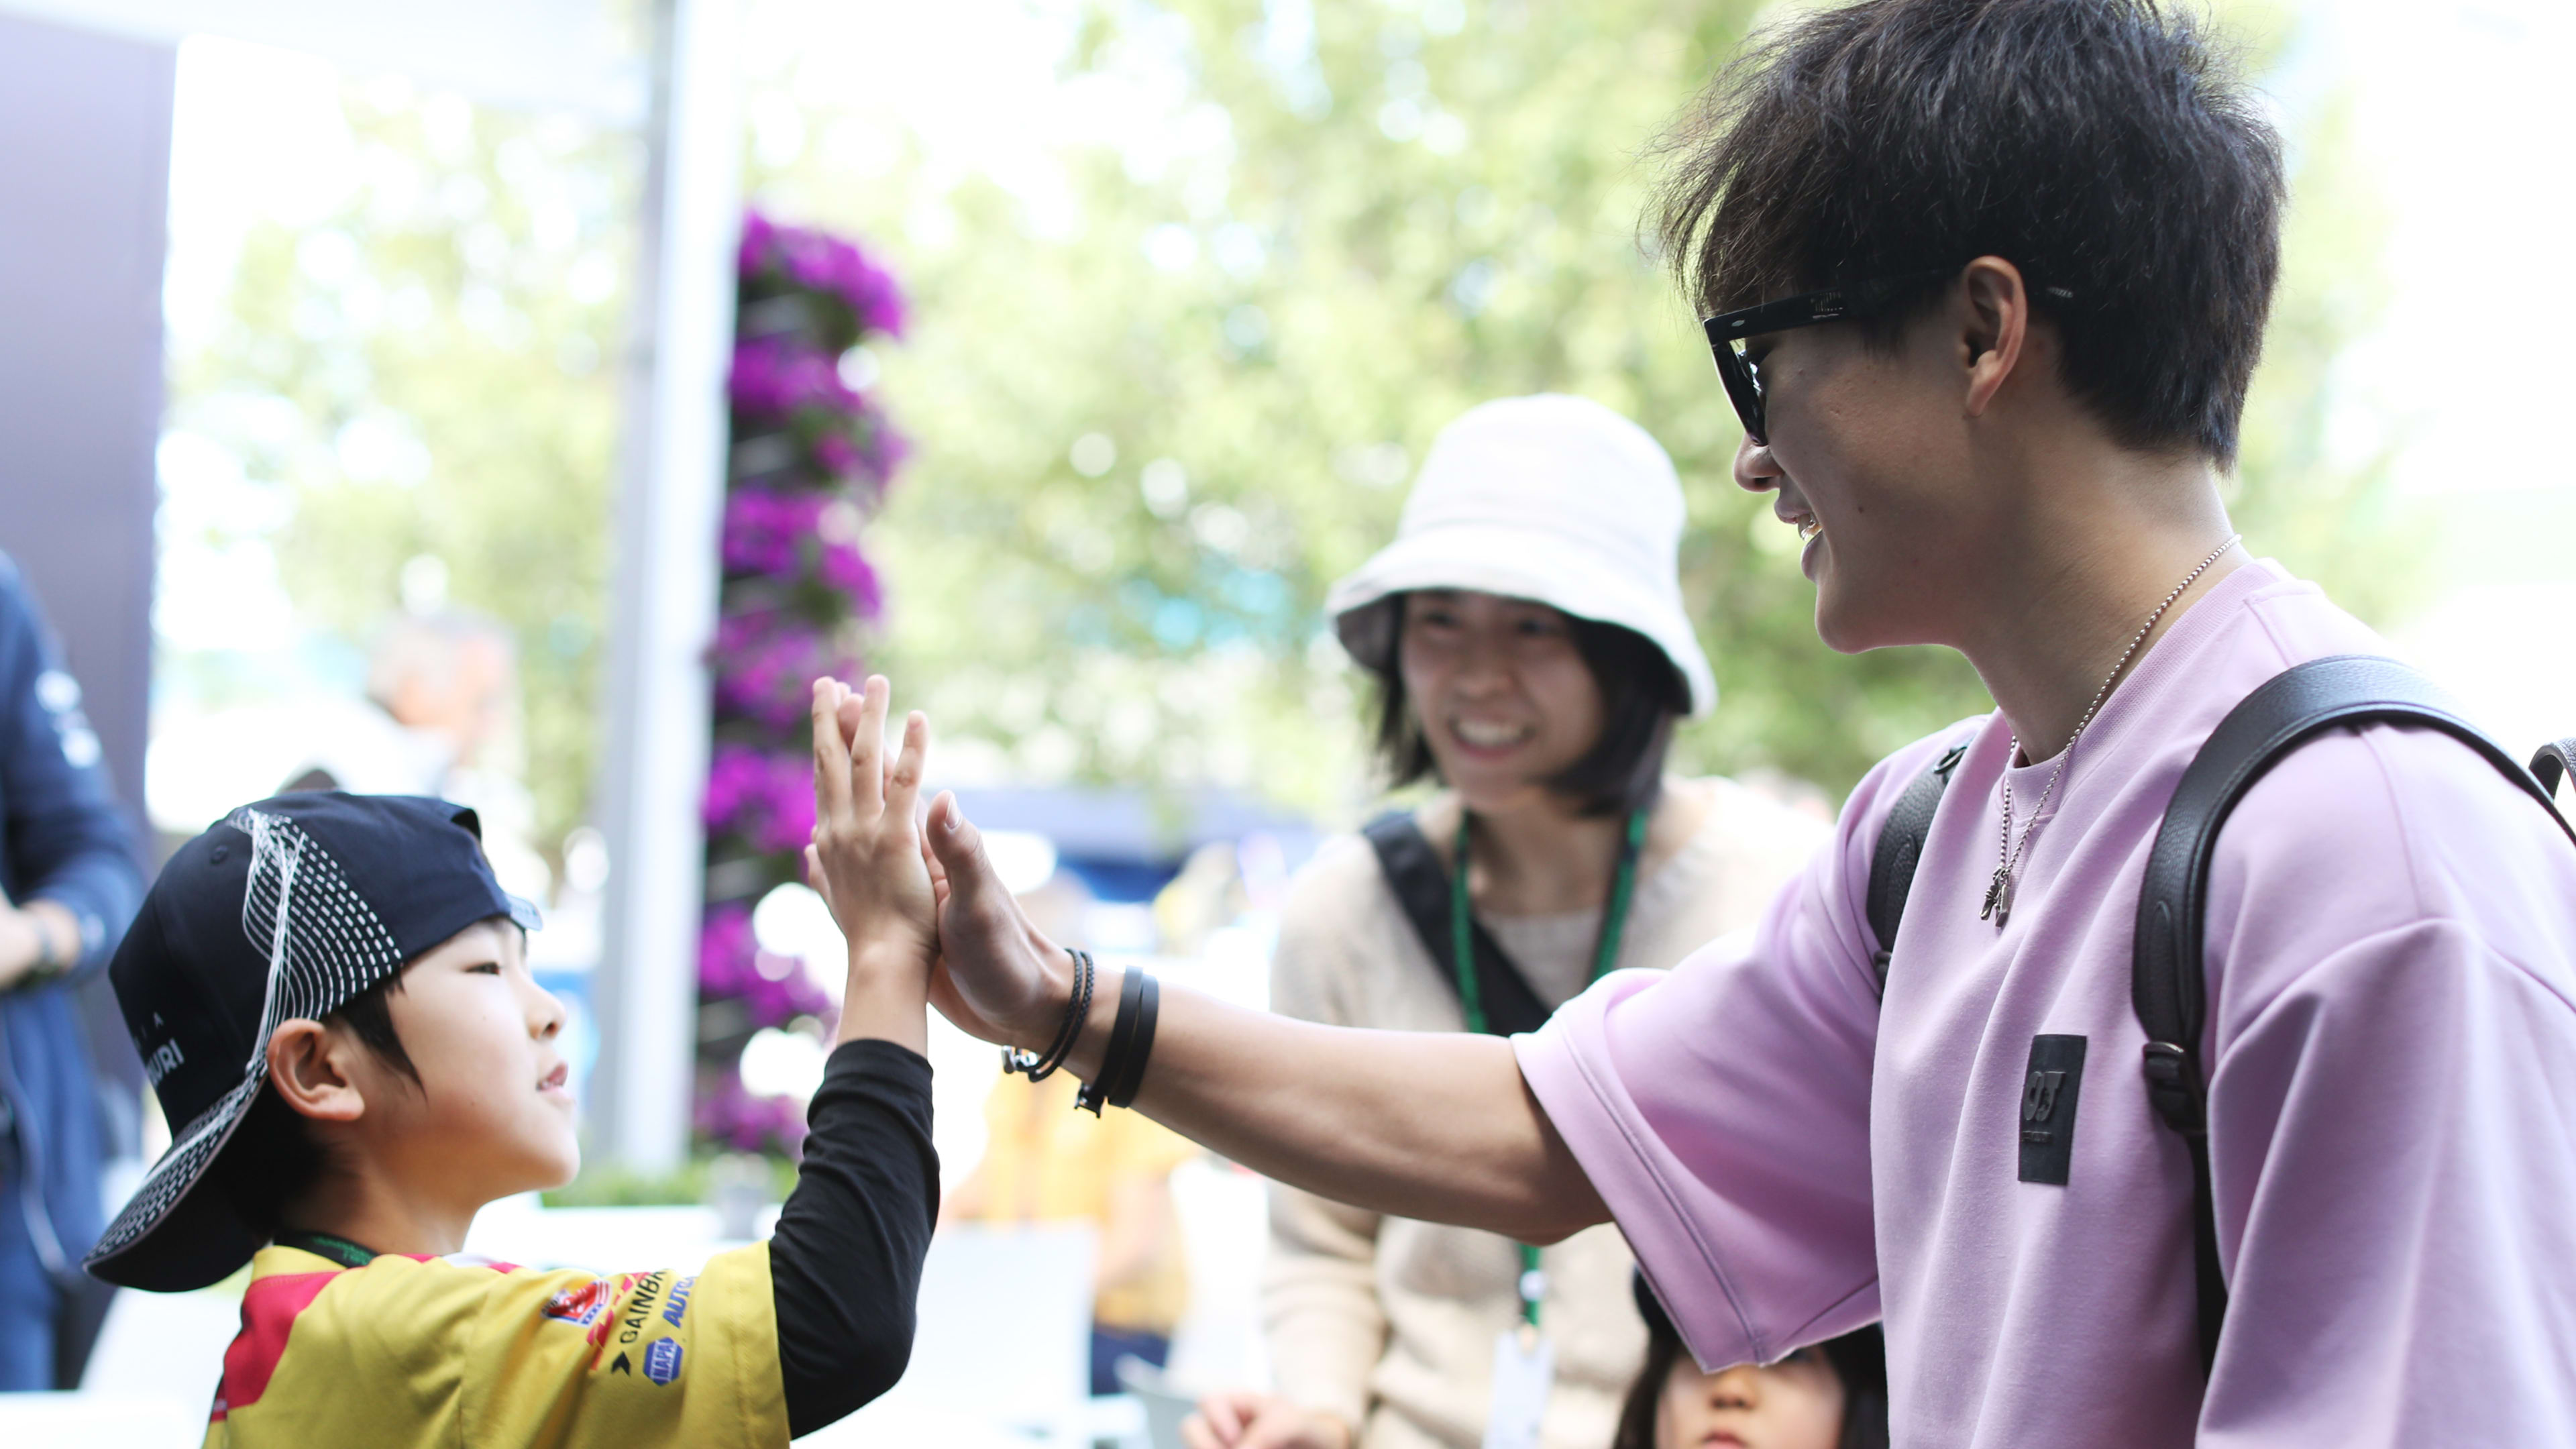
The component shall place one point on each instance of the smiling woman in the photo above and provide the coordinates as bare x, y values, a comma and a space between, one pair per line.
1526, 634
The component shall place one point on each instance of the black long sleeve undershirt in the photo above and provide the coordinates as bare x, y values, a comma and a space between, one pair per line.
845, 1262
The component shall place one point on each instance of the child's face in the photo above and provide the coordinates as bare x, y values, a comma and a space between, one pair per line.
1794, 1404
493, 1112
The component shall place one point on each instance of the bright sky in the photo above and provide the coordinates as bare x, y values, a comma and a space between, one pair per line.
2463, 110
2460, 110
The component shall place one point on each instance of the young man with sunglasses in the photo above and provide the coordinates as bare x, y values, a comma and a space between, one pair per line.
1991, 279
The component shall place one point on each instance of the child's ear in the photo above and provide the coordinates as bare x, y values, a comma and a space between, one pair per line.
308, 1066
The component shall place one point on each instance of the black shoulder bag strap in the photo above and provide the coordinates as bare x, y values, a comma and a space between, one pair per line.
1421, 886
1899, 850
2555, 759
2165, 982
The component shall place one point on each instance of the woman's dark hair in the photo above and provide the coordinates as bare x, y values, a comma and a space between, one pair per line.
1642, 694
273, 1158
2102, 146
1859, 1359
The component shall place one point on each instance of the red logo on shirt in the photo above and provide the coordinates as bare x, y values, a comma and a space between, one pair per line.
583, 1307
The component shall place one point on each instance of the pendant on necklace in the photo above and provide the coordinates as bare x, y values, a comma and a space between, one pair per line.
1998, 898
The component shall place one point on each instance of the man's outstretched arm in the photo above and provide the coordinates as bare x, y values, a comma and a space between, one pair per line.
1431, 1125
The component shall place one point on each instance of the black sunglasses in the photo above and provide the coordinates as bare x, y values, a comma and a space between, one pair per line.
1728, 331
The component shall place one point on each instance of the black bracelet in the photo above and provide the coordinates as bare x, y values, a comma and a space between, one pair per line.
1113, 1059
1077, 1011
1077, 1007
1140, 1046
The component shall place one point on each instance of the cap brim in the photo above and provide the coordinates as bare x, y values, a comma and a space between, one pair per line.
1517, 563
176, 1233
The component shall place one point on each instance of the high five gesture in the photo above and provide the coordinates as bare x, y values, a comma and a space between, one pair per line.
868, 862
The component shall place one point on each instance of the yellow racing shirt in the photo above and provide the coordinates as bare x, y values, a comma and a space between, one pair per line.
462, 1351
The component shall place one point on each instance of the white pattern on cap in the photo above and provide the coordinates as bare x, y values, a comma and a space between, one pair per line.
324, 945
1551, 498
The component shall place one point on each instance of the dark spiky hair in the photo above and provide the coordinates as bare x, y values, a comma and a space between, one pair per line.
2105, 147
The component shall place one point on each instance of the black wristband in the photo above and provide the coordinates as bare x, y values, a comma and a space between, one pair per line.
1140, 1046
1113, 1058
1077, 1009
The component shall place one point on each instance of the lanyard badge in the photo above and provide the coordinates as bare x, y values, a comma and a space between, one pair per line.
1524, 1371
1524, 1360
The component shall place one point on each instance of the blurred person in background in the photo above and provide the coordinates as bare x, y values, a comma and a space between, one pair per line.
440, 688
442, 699
1526, 634
70, 881
1045, 1163
1830, 1395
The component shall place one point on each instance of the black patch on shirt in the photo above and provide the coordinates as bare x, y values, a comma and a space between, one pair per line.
2048, 1093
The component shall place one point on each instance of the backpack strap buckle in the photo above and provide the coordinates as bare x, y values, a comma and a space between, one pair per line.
2173, 1088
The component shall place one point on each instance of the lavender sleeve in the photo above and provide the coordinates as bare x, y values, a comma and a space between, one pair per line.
2392, 1154
2393, 1106
1722, 1110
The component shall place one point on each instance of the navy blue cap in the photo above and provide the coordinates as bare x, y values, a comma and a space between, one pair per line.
286, 908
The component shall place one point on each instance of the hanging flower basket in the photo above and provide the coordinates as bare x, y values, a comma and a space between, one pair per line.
810, 460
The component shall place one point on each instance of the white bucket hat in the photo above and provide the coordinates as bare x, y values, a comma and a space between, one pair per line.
1551, 498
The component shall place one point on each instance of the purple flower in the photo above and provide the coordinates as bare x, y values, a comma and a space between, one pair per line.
728, 1114
766, 799
758, 239
762, 530
773, 990
766, 662
774, 379
822, 262
798, 527
865, 449
786, 820
848, 571
725, 950
736, 777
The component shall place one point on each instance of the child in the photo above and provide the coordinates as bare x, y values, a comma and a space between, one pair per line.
331, 996
1831, 1395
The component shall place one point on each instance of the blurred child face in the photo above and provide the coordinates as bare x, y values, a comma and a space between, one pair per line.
1505, 699
1794, 1404
492, 1114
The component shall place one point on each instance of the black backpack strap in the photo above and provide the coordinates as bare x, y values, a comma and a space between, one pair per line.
1421, 886
2165, 982
1899, 850
2555, 759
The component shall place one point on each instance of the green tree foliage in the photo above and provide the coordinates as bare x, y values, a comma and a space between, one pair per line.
430, 370
1163, 406
1162, 401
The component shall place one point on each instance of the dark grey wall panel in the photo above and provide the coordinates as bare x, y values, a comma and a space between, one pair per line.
84, 200
84, 191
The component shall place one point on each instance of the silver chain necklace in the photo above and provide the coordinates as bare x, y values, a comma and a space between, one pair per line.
1998, 906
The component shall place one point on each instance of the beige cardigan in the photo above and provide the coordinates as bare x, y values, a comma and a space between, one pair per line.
1389, 1324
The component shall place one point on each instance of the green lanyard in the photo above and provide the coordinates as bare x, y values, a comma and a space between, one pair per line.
322, 1245
1605, 954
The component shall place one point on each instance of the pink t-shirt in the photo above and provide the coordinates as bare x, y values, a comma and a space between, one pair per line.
2392, 1047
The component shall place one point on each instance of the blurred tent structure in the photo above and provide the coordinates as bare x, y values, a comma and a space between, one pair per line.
89, 82
566, 54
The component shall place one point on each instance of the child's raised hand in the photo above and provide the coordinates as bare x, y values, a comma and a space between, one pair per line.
866, 857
